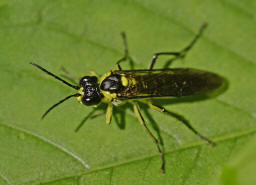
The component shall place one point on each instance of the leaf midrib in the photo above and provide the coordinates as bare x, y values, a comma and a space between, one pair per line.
185, 147
49, 142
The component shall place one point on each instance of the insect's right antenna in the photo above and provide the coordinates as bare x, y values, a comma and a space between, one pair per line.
61, 101
58, 78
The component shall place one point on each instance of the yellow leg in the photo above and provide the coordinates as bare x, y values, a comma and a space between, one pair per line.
159, 109
183, 120
67, 75
142, 122
93, 73
109, 113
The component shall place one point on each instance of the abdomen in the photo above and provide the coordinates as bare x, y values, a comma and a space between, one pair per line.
168, 83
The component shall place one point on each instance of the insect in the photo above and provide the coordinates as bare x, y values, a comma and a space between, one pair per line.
120, 86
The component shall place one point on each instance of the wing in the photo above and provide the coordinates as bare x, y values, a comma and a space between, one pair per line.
168, 83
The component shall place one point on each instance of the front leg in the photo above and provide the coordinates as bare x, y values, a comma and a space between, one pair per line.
109, 113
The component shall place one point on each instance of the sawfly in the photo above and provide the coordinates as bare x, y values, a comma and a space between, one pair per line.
120, 86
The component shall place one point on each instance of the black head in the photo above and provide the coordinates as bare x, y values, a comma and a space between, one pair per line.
112, 83
63, 81
91, 92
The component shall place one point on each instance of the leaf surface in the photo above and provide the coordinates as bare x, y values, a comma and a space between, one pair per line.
85, 35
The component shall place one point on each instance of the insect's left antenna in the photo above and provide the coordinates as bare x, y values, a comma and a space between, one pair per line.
61, 101
56, 77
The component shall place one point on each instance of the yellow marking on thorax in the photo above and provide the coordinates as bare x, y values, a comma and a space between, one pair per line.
125, 81
133, 81
109, 97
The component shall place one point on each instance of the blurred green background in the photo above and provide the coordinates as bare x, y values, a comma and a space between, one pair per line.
84, 35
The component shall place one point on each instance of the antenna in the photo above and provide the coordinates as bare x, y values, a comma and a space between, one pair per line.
61, 101
56, 77
63, 81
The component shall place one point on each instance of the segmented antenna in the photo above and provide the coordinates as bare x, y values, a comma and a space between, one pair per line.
56, 77
61, 101
63, 81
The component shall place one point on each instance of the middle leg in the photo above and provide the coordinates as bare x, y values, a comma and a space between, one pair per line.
155, 140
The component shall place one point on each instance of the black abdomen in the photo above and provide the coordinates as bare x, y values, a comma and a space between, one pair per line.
170, 83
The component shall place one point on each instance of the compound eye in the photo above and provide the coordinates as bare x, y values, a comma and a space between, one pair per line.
88, 80
94, 79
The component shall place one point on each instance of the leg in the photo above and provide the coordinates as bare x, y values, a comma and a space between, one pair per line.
125, 52
71, 78
142, 122
183, 120
109, 113
181, 53
93, 73
85, 119
67, 75
97, 115
86, 73
91, 115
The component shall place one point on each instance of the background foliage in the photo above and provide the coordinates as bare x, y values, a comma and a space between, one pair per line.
84, 35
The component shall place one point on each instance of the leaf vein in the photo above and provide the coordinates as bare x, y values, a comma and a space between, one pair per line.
188, 172
45, 140
111, 175
5, 179
185, 147
237, 8
235, 108
178, 23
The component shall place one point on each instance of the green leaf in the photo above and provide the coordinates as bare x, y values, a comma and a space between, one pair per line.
241, 167
85, 35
